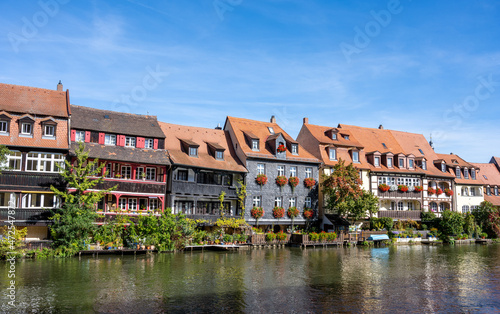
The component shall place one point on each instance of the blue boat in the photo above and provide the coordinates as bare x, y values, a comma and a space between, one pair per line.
378, 237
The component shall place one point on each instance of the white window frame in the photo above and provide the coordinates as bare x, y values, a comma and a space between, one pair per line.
49, 130
401, 162
278, 201
132, 204
293, 202
441, 207
13, 161
281, 170
26, 128
255, 144
433, 206
261, 169
389, 162
154, 204
424, 165
308, 202
376, 161
110, 139
411, 163
355, 156
334, 136
122, 203
219, 155
401, 205
473, 174
41, 161
4, 127
79, 136
309, 172
126, 172
409, 205
293, 171
139, 173
149, 143
332, 152
295, 149
151, 174
193, 151
129, 141
257, 201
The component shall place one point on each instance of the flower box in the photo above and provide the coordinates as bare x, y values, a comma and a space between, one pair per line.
403, 188
281, 148
448, 192
439, 191
384, 187
261, 179
309, 182
278, 212
419, 188
431, 191
281, 181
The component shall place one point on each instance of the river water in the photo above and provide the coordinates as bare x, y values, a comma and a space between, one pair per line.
412, 279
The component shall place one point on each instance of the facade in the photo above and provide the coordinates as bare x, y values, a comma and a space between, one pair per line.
204, 165
395, 166
468, 188
34, 127
489, 176
133, 148
266, 149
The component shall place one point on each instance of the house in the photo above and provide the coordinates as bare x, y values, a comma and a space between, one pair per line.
468, 188
282, 174
204, 167
395, 166
489, 176
34, 127
132, 147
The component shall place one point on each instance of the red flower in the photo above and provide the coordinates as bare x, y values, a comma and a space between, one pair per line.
448, 192
293, 181
292, 212
281, 148
281, 180
308, 213
418, 188
403, 188
257, 212
309, 182
439, 191
384, 187
278, 212
261, 179
431, 191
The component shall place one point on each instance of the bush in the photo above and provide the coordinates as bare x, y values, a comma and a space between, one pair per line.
270, 237
313, 236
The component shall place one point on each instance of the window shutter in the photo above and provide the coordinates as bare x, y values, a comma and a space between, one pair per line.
101, 138
87, 136
73, 135
140, 142
120, 141
155, 143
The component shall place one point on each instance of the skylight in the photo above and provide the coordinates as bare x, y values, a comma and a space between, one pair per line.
485, 177
106, 116
383, 144
271, 130
421, 151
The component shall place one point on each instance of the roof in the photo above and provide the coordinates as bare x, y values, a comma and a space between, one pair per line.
488, 174
205, 138
260, 130
320, 133
452, 161
33, 100
129, 154
90, 119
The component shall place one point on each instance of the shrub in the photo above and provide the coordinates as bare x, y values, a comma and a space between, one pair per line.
270, 237
313, 236
323, 236
281, 236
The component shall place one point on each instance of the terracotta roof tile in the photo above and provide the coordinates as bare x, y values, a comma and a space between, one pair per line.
128, 154
203, 137
488, 174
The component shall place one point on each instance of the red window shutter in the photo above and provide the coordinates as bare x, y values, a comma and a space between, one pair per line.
120, 140
155, 143
140, 142
87, 136
101, 138
73, 135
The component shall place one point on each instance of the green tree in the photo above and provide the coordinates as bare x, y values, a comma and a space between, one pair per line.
4, 151
487, 217
344, 193
452, 223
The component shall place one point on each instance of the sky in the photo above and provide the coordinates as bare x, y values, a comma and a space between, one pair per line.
428, 67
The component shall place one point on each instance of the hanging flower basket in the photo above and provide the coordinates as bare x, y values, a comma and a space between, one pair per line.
419, 188
281, 180
257, 212
293, 181
261, 179
393, 188
308, 213
309, 182
439, 191
281, 148
292, 212
383, 187
431, 191
448, 192
278, 212
403, 188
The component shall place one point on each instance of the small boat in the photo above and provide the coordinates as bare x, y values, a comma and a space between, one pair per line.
378, 237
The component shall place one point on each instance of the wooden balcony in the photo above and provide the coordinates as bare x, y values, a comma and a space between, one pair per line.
134, 186
193, 188
399, 195
31, 216
32, 180
400, 214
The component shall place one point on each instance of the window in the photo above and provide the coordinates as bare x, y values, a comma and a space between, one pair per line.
308, 202
401, 163
227, 180
26, 128
40, 200
110, 139
382, 180
126, 172
271, 130
79, 136
139, 173
122, 203
13, 162
182, 175
334, 136
389, 162
410, 163
421, 152
393, 205
295, 149
219, 155
293, 171
278, 201
41, 162
153, 204
148, 143
377, 161
346, 137
255, 144
129, 141
385, 146
293, 202
355, 156
433, 206
488, 190
261, 169
333, 153
473, 174
443, 167
309, 172
132, 204
465, 209
400, 206
281, 170
496, 190
193, 151
109, 170
442, 207
465, 192
424, 165
256, 201
457, 172
151, 174
466, 173
472, 191
49, 130
4, 127
410, 206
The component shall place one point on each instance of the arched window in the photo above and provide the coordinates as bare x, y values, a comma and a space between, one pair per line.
433, 206
442, 207
410, 206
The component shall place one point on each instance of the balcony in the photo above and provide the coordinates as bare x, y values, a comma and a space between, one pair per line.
33, 180
133, 186
399, 195
400, 214
25, 216
193, 188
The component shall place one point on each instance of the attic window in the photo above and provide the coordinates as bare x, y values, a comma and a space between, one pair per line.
466, 173
473, 174
389, 162
383, 144
334, 136
457, 172
376, 161
219, 155
49, 130
193, 151
26, 128
255, 144
454, 161
424, 165
271, 130
421, 151
443, 167
485, 177
346, 137
106, 116
295, 149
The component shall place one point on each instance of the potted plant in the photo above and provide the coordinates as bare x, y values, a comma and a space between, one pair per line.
293, 181
261, 179
403, 188
383, 187
439, 191
278, 212
281, 148
484, 235
270, 237
419, 188
448, 192
308, 213
313, 236
431, 191
281, 181
309, 182
281, 236
118, 176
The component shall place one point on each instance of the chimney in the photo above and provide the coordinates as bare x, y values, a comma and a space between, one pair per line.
381, 127
218, 127
306, 120
273, 119
59, 86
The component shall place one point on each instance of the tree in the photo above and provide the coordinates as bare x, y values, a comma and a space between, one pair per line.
344, 193
487, 218
73, 223
4, 151
452, 223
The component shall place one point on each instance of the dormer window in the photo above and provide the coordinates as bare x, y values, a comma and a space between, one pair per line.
401, 163
295, 149
129, 141
333, 153
334, 136
4, 127
110, 139
473, 174
49, 130
466, 173
443, 167
488, 190
389, 162
346, 137
255, 144
410, 163
79, 136
219, 155
355, 156
496, 190
26, 128
193, 151
376, 161
457, 172
148, 143
424, 165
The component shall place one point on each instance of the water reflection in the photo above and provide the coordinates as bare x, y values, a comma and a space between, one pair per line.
412, 279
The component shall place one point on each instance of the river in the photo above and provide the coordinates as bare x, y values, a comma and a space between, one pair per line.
411, 279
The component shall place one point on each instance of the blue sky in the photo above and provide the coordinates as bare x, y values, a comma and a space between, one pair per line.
416, 66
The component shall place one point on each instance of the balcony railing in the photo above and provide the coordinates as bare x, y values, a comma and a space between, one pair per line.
136, 186
31, 179
193, 188
400, 214
398, 194
20, 214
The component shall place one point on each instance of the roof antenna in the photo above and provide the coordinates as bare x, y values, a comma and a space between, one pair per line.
431, 142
